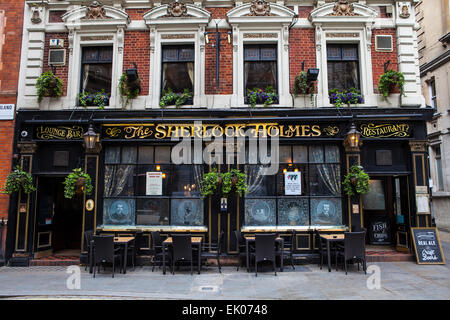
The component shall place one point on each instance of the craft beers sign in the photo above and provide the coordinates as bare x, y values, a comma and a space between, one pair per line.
427, 246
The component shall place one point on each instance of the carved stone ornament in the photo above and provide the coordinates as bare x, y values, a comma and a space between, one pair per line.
343, 8
176, 9
405, 12
95, 11
260, 8
35, 18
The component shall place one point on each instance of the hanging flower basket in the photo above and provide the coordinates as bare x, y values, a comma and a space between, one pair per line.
48, 85
78, 183
234, 182
356, 182
18, 180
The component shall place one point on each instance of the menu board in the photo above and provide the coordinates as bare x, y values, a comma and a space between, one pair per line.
427, 246
379, 230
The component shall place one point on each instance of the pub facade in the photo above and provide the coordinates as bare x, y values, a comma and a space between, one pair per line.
217, 82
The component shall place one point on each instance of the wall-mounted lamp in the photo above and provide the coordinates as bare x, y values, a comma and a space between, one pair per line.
312, 74
92, 140
353, 137
133, 81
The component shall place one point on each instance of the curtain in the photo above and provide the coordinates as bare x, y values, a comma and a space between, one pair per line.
329, 174
164, 76
116, 178
354, 74
254, 178
190, 68
246, 71
85, 76
273, 68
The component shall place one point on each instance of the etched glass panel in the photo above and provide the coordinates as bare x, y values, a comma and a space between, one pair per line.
119, 212
293, 212
260, 212
187, 212
326, 211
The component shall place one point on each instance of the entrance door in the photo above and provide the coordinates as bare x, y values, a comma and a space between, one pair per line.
58, 220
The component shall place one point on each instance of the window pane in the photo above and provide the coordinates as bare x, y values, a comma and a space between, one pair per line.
119, 212
302, 168
112, 155
97, 77
285, 154
187, 212
178, 76
257, 183
331, 154
186, 180
300, 154
260, 212
152, 212
129, 154
146, 154
316, 154
343, 75
374, 199
260, 75
119, 180
141, 187
293, 212
162, 154
325, 179
326, 211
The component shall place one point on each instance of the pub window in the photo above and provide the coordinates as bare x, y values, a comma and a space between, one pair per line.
96, 71
178, 68
260, 67
438, 163
343, 66
432, 93
127, 199
319, 203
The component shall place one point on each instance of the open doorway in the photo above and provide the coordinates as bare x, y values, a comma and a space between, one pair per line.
59, 220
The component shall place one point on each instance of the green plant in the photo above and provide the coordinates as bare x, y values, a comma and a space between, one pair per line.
169, 97
302, 86
77, 181
99, 99
388, 80
210, 182
258, 95
348, 97
356, 181
48, 85
126, 91
17, 180
234, 180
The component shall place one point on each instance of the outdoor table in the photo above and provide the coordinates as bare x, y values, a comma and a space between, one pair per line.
251, 239
331, 238
123, 241
196, 241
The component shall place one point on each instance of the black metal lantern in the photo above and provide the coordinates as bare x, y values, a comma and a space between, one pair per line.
353, 137
312, 74
91, 139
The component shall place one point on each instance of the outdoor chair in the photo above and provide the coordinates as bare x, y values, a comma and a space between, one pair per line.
181, 249
104, 252
135, 247
322, 246
242, 251
354, 249
265, 250
158, 249
88, 235
217, 247
288, 249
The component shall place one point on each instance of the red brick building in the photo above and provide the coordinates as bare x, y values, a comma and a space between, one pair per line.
274, 68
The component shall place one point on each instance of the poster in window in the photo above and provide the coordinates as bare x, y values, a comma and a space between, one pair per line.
292, 183
260, 212
422, 202
119, 212
187, 212
154, 184
326, 212
293, 212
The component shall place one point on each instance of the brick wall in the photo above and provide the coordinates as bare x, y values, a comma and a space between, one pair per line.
54, 16
301, 48
379, 58
304, 11
137, 49
136, 14
60, 71
9, 75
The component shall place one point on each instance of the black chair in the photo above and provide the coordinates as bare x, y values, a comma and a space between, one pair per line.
158, 253
265, 250
242, 251
354, 249
88, 235
322, 246
104, 252
135, 248
217, 247
288, 248
181, 249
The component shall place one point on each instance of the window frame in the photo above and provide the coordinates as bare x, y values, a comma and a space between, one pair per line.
358, 61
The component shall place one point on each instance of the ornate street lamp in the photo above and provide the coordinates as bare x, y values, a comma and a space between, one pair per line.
92, 140
353, 137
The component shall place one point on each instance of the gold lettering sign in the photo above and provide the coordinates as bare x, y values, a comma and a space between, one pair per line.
254, 130
372, 130
61, 133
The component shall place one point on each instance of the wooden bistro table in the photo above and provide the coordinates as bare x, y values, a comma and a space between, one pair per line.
196, 241
122, 241
252, 239
331, 238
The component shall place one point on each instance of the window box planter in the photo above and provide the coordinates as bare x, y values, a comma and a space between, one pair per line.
170, 98
259, 96
346, 97
98, 99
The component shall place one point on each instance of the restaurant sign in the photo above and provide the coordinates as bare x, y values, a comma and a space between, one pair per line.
59, 132
385, 130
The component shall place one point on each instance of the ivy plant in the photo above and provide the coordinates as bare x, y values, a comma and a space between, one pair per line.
210, 183
17, 180
234, 180
356, 181
48, 85
127, 93
169, 97
77, 178
302, 86
389, 80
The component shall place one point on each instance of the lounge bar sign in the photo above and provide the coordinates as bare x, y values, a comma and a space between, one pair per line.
252, 130
59, 132
385, 130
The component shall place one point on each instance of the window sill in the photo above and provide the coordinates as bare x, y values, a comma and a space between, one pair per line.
162, 228
296, 228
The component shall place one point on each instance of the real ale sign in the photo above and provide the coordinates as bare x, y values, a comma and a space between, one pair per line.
427, 246
293, 183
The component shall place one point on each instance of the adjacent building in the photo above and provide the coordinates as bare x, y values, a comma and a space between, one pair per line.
205, 69
434, 58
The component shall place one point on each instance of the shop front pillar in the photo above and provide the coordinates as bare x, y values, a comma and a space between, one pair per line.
355, 214
22, 243
421, 214
90, 205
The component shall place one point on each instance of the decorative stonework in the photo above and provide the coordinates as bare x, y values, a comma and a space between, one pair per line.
176, 9
95, 11
260, 35
343, 8
260, 8
35, 18
342, 35
405, 12
178, 36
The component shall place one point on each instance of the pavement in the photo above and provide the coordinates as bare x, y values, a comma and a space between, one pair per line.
397, 281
